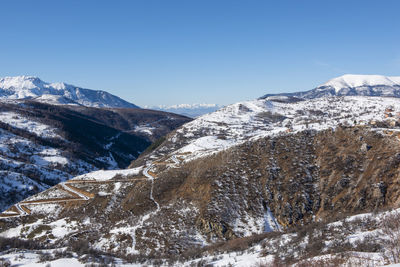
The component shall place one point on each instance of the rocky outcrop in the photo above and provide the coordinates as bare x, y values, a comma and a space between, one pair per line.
214, 229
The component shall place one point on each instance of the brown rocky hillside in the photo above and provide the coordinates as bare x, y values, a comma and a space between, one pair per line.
298, 178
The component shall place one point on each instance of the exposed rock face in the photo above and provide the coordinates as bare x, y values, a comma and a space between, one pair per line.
352, 179
214, 228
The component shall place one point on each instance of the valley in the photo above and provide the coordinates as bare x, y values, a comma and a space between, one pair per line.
252, 171
242, 179
44, 144
56, 195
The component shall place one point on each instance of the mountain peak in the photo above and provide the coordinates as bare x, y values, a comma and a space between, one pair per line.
357, 80
17, 82
349, 85
31, 87
21, 77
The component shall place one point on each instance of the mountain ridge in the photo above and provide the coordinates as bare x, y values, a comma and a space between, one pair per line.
350, 85
32, 87
190, 110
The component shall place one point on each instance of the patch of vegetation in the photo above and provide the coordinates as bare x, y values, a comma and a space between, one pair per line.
8, 243
271, 117
38, 230
154, 145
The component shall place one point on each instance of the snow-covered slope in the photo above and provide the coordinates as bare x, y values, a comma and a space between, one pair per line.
359, 232
190, 110
29, 87
55, 100
240, 122
28, 167
352, 85
353, 81
42, 145
239, 171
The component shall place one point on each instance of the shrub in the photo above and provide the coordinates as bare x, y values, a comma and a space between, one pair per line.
391, 241
7, 243
43, 257
5, 263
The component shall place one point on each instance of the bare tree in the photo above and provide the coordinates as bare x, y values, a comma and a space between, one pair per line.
391, 242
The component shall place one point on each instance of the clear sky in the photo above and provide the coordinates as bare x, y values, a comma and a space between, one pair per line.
170, 52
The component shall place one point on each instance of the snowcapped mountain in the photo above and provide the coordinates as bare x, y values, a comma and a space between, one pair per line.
29, 87
352, 85
354, 81
190, 110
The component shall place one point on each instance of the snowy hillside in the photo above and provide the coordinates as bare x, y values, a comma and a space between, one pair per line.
29, 87
240, 122
358, 232
190, 110
353, 81
352, 85
29, 166
253, 170
42, 145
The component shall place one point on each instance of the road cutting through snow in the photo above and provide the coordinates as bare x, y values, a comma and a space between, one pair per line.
151, 178
21, 211
80, 195
73, 191
175, 159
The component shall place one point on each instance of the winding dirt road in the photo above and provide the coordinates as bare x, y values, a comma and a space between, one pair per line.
76, 194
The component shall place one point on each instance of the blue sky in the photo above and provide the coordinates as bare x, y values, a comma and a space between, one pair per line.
170, 52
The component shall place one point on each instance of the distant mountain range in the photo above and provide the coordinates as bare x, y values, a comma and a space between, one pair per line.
190, 110
29, 87
350, 85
